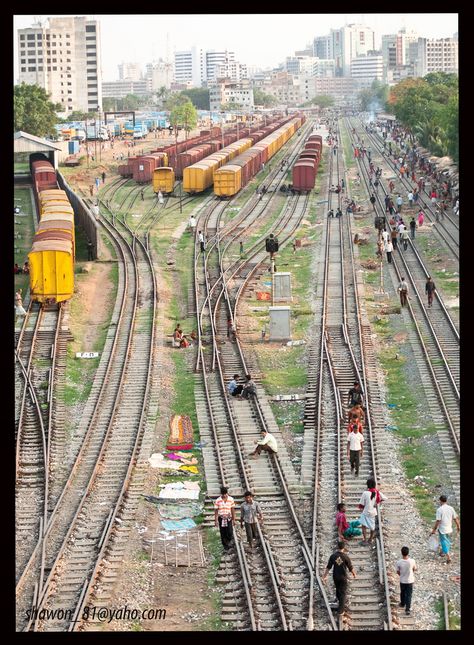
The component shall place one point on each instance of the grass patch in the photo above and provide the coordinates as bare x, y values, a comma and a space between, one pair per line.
409, 426
79, 378
183, 400
284, 371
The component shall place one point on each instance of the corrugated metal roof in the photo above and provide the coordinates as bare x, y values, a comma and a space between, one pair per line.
24, 142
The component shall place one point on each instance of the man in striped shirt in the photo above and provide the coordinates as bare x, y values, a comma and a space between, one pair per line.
224, 516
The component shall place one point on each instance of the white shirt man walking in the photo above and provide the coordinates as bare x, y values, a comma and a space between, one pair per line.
444, 525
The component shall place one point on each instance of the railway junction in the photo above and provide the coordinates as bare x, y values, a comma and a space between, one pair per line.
124, 441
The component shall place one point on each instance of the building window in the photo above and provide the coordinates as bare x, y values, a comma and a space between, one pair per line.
90, 28
22, 37
23, 61
23, 69
32, 69
30, 37
55, 69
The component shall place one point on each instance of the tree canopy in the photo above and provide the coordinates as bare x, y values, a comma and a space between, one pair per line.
199, 97
261, 98
183, 115
33, 111
429, 107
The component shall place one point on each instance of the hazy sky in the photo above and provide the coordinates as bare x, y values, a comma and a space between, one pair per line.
264, 40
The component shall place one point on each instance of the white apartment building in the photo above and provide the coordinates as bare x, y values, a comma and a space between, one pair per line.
63, 56
159, 74
233, 69
298, 65
224, 92
366, 69
437, 55
349, 42
214, 60
131, 71
342, 89
120, 89
190, 67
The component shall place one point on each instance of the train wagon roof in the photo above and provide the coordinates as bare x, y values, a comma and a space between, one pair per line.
164, 169
55, 215
55, 224
53, 234
52, 245
231, 167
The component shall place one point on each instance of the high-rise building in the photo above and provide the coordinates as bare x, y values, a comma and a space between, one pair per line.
437, 55
216, 59
159, 74
348, 42
189, 67
323, 47
63, 57
224, 92
366, 69
130, 71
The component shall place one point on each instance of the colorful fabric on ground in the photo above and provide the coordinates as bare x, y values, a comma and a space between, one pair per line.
158, 461
181, 433
170, 511
178, 525
191, 469
180, 490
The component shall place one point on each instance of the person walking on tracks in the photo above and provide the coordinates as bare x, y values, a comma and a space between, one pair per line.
430, 288
250, 512
403, 290
224, 516
267, 442
445, 515
201, 241
412, 228
404, 239
389, 251
340, 563
405, 569
368, 503
355, 448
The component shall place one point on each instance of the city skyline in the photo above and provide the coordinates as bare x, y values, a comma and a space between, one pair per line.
270, 38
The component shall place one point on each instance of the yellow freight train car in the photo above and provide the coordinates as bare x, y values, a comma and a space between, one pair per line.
228, 180
51, 271
199, 176
163, 180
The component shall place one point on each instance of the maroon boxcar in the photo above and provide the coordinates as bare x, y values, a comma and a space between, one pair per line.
303, 176
143, 169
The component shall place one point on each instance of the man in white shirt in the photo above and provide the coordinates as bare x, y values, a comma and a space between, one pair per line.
192, 223
444, 525
267, 442
201, 241
355, 448
405, 568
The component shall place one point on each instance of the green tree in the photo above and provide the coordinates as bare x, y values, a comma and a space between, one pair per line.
323, 101
33, 111
130, 102
183, 115
261, 98
199, 97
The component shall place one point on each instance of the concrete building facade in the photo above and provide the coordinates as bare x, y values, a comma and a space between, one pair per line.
63, 56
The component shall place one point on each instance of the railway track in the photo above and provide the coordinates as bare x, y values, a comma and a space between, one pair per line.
78, 521
273, 480
446, 226
36, 356
435, 339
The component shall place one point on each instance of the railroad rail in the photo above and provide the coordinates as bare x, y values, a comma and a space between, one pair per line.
436, 338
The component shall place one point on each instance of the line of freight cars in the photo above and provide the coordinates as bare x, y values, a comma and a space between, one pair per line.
306, 166
200, 176
51, 258
176, 157
232, 177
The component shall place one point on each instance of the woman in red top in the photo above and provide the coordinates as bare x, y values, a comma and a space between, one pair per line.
345, 529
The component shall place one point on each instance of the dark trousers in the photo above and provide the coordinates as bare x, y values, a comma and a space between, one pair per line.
430, 298
354, 458
403, 298
389, 257
394, 242
341, 593
266, 447
226, 532
406, 591
251, 530
202, 246
238, 390
405, 245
